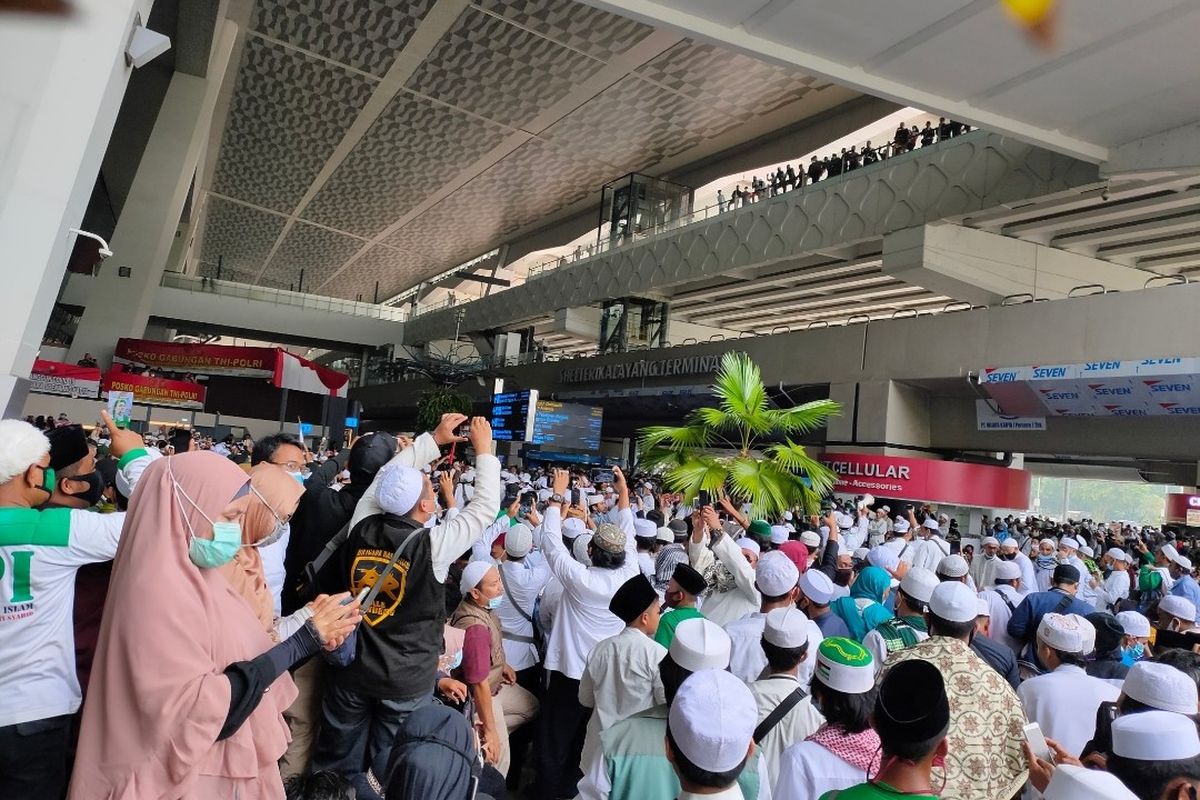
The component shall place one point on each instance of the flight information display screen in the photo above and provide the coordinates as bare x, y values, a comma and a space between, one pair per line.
513, 415
567, 426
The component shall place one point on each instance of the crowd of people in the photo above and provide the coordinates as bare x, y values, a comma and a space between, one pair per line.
786, 178
399, 620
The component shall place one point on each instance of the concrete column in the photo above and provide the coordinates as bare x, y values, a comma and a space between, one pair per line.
876, 412
983, 268
64, 81
120, 306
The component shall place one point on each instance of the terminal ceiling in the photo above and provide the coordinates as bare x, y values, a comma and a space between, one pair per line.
395, 140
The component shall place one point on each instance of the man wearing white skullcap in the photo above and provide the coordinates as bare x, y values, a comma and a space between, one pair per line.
630, 761
776, 579
983, 566
817, 591
1071, 782
1137, 635
714, 554
785, 712
523, 579
879, 526
401, 638
908, 626
1064, 700
930, 547
1185, 586
1010, 551
1116, 585
1157, 754
645, 532
582, 620
779, 535
987, 760
710, 736
501, 706
1068, 553
1003, 598
1176, 613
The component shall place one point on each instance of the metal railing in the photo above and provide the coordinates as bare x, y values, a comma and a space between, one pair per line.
886, 153
282, 297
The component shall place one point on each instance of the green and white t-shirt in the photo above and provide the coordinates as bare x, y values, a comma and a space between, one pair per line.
39, 553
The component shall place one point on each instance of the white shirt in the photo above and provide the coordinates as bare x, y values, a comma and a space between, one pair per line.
725, 607
983, 570
856, 536
1064, 704
551, 600
646, 564
1001, 614
456, 535
523, 581
802, 721
1114, 589
747, 659
930, 552
583, 618
807, 770
621, 679
37, 598
1028, 575
732, 793
273, 570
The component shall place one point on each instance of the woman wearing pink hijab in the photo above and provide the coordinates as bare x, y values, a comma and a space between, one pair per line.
187, 693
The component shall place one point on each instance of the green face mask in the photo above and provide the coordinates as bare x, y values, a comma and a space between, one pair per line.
49, 478
218, 551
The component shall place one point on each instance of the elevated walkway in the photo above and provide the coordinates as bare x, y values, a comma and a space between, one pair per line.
842, 218
260, 312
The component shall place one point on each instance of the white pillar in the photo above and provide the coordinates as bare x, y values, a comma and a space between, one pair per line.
146, 229
64, 79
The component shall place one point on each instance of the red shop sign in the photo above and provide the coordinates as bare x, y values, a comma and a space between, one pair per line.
1178, 506
930, 480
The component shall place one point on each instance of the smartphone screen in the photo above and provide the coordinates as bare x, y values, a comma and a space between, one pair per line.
1037, 742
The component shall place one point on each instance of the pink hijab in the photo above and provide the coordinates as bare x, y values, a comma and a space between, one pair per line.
158, 697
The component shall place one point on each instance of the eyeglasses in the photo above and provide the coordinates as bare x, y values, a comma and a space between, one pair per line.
290, 466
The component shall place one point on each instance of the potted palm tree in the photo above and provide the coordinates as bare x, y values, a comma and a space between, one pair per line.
743, 447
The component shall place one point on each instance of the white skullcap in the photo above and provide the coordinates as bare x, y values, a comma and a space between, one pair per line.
1069, 782
572, 527
644, 528
1134, 624
1178, 606
398, 488
712, 720
985, 609
787, 516
900, 525
919, 583
884, 558
886, 509
700, 644
844, 665
1117, 554
1065, 632
1155, 736
1182, 560
472, 574
1009, 544
953, 602
786, 627
790, 528
665, 535
931, 524
1007, 571
746, 543
817, 586
579, 549
860, 554
779, 534
21, 446
811, 539
943, 517
845, 521
1161, 686
990, 540
954, 566
1169, 552
775, 574
1069, 542
1087, 551
518, 540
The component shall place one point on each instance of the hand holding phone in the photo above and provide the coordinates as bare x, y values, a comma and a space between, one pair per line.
1037, 742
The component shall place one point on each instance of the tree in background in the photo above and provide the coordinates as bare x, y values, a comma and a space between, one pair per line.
436, 402
770, 474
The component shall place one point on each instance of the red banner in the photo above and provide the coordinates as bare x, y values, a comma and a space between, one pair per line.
206, 359
1183, 508
930, 480
155, 391
55, 377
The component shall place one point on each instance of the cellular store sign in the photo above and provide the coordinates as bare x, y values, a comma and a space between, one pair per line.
928, 479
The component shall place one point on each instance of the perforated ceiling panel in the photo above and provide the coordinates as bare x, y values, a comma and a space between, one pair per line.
418, 134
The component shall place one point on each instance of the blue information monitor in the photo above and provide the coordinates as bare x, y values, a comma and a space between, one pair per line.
352, 423
513, 415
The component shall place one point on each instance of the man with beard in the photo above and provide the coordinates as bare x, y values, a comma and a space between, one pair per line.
1010, 551
983, 567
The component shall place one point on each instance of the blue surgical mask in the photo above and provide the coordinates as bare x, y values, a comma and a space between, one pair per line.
457, 662
299, 476
218, 551
1132, 655
495, 602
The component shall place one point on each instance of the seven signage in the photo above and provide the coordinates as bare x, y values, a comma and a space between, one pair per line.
1152, 387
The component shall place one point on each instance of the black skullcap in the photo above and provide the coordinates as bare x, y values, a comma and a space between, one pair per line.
68, 445
912, 704
678, 527
368, 455
1065, 573
689, 579
1109, 632
633, 598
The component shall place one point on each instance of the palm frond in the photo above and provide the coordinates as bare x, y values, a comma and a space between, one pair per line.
675, 437
804, 418
740, 389
714, 418
661, 458
762, 483
695, 474
795, 458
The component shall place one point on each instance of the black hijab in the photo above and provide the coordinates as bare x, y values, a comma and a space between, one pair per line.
433, 758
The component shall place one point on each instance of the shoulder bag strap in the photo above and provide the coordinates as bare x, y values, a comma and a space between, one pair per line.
514, 637
1007, 602
314, 567
780, 711
396, 556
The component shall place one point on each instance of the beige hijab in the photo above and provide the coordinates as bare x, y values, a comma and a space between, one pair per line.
245, 572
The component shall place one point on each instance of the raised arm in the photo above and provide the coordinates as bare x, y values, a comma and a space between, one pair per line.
456, 535
424, 450
732, 557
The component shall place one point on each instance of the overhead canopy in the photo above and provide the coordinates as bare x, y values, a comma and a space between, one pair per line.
286, 370
1151, 387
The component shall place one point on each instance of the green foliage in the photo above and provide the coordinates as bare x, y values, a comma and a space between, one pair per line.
772, 478
433, 404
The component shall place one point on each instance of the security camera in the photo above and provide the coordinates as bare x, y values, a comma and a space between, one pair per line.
144, 46
103, 252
